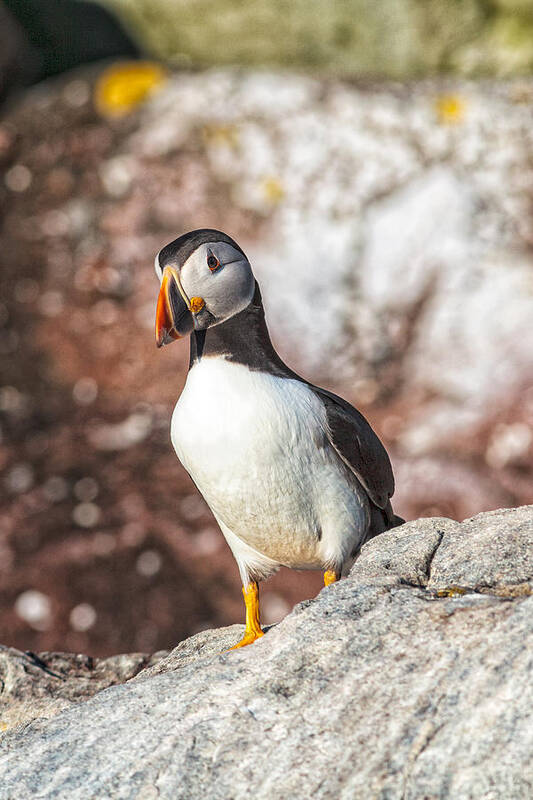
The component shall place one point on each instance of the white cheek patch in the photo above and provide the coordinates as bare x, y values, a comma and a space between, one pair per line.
227, 290
193, 278
157, 267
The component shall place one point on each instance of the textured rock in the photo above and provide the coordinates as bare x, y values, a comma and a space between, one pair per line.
391, 684
41, 685
507, 553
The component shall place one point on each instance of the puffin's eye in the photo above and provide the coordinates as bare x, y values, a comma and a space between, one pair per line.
212, 262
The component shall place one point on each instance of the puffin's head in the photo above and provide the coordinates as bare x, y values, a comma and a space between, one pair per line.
205, 279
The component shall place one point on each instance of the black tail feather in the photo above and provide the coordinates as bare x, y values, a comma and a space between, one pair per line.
382, 520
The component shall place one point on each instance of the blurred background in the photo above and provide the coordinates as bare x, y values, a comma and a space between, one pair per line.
374, 160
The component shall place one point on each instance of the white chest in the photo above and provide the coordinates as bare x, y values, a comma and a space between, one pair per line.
256, 447
232, 425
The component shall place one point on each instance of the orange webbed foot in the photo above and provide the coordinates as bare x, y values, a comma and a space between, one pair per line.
330, 576
253, 628
249, 638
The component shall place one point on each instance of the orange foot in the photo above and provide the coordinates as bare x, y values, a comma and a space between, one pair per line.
253, 628
330, 577
248, 638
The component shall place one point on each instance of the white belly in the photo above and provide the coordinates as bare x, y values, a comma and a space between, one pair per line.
256, 447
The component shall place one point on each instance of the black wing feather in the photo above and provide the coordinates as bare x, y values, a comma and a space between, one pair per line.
359, 447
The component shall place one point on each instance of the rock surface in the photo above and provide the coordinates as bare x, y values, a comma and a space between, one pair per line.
41, 685
410, 679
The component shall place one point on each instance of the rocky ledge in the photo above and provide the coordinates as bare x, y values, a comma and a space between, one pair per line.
412, 678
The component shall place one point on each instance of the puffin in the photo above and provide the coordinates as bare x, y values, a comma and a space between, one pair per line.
294, 475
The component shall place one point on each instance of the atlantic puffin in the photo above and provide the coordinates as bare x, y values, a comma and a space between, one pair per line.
294, 475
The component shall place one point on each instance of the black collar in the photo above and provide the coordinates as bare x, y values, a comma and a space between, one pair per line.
242, 339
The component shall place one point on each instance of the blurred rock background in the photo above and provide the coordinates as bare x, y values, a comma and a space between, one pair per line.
390, 225
397, 39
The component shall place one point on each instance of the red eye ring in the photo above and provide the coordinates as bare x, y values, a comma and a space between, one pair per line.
212, 262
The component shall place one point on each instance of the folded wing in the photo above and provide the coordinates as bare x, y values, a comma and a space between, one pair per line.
359, 448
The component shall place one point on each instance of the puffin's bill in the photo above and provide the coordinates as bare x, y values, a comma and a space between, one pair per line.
172, 317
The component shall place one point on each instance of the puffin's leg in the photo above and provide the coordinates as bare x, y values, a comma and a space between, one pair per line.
253, 628
330, 576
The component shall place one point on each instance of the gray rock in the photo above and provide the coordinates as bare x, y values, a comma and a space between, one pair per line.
402, 681
41, 685
405, 553
505, 540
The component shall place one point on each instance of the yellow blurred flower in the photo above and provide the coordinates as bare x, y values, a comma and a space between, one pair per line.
273, 190
450, 109
122, 87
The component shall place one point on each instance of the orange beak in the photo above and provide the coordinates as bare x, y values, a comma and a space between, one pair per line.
173, 319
